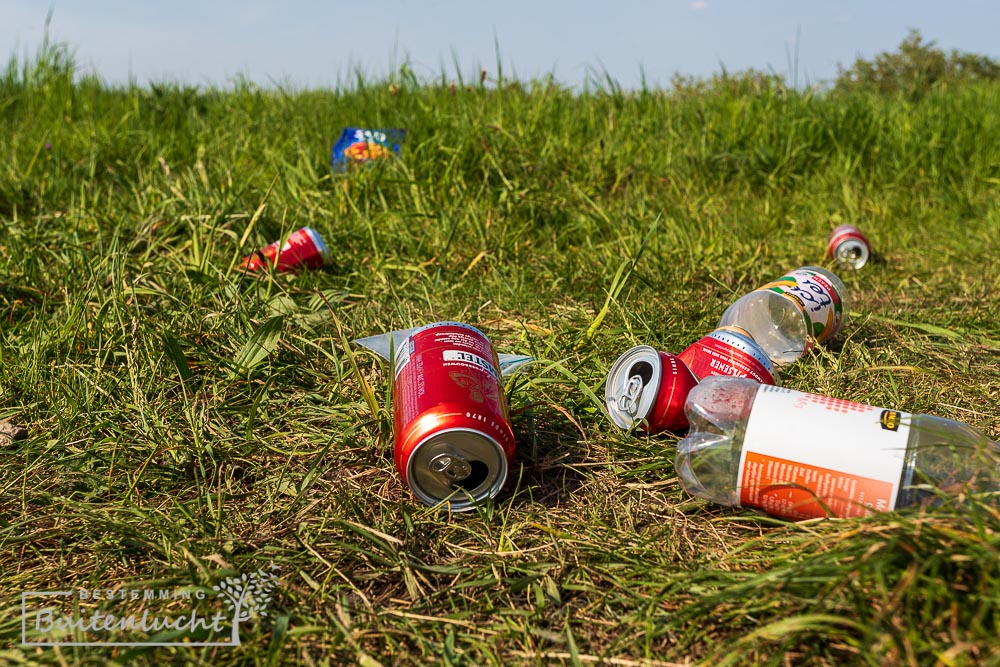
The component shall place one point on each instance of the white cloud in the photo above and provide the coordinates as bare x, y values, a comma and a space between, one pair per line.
699, 5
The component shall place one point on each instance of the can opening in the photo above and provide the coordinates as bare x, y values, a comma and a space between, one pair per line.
643, 369
459, 466
852, 252
478, 474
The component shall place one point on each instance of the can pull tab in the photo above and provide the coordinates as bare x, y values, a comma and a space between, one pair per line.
628, 401
452, 467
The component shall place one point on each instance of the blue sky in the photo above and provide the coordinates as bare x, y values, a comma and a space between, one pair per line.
317, 44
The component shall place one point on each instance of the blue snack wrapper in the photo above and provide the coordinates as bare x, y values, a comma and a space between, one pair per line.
357, 145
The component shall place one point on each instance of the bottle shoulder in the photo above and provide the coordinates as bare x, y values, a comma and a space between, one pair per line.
760, 300
720, 404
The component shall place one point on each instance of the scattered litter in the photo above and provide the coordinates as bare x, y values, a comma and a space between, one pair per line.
646, 389
729, 350
770, 325
786, 316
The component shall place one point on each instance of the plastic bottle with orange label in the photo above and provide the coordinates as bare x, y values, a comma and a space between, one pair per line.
799, 456
786, 316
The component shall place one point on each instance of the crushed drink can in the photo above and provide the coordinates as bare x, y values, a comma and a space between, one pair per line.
357, 145
454, 443
729, 350
304, 248
647, 388
848, 246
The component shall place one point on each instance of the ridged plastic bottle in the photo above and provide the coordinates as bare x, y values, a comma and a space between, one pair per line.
785, 315
935, 454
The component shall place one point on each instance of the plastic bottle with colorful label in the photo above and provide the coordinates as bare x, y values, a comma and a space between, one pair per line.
787, 316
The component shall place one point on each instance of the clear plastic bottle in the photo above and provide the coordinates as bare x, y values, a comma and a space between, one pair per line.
799, 455
785, 316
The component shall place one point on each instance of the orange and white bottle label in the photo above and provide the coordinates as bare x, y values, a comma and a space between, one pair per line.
806, 455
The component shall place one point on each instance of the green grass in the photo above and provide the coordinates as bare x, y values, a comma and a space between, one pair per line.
188, 423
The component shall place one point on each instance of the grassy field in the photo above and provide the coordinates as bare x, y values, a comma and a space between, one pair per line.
187, 423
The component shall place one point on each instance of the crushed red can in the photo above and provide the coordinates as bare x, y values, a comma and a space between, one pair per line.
454, 444
646, 388
848, 246
729, 350
303, 248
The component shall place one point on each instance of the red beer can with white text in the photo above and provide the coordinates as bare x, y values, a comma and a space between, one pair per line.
304, 248
848, 246
454, 443
646, 388
729, 350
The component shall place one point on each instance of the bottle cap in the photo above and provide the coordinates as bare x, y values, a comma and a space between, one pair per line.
647, 388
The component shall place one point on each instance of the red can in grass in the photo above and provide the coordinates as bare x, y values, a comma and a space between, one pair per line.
729, 350
848, 246
646, 388
454, 443
304, 248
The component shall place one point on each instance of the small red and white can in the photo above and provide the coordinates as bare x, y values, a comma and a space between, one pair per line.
729, 350
304, 248
454, 443
647, 388
848, 246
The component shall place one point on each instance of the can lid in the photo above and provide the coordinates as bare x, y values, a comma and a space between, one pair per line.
446, 323
852, 252
632, 385
848, 246
457, 467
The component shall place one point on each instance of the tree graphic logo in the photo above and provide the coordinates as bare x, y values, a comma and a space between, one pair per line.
247, 596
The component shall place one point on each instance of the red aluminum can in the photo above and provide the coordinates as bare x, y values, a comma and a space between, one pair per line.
454, 442
729, 350
848, 246
304, 247
647, 388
